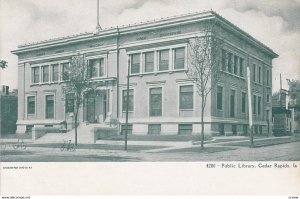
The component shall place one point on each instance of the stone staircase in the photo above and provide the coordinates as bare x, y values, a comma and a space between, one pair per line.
85, 135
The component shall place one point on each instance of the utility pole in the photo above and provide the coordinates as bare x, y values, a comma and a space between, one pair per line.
127, 103
250, 105
280, 92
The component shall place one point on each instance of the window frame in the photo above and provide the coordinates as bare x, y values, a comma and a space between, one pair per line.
222, 99
159, 59
162, 101
35, 105
174, 57
48, 74
52, 72
62, 71
241, 66
33, 74
193, 97
131, 63
145, 61
133, 100
254, 66
244, 106
230, 107
45, 105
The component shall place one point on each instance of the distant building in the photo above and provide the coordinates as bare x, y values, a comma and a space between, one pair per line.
8, 111
281, 114
162, 100
294, 104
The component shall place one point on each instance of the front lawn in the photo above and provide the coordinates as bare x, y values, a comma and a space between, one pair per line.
17, 136
199, 150
262, 143
134, 148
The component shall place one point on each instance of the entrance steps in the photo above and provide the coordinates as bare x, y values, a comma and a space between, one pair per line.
85, 134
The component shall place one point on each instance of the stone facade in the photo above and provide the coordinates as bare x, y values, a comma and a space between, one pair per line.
155, 93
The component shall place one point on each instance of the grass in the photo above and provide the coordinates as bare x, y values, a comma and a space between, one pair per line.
15, 152
263, 143
17, 136
199, 150
68, 158
100, 146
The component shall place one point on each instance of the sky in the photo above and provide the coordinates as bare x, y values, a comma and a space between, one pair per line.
276, 23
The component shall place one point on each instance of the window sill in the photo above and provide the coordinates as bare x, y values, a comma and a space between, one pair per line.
257, 83
231, 74
158, 72
46, 83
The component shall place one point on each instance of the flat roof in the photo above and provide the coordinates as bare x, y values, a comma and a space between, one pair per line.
137, 27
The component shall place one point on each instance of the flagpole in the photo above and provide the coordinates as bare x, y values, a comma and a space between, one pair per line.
250, 105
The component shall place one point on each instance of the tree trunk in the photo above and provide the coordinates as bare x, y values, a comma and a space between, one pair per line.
202, 127
76, 130
76, 123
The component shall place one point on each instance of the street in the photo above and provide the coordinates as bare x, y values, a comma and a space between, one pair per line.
215, 151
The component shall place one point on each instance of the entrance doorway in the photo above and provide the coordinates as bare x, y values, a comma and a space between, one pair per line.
96, 106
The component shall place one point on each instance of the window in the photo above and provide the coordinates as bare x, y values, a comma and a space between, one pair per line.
70, 103
268, 98
223, 60
254, 104
232, 103
268, 78
254, 73
154, 129
130, 102
179, 58
241, 67
163, 60
185, 129
219, 98
149, 62
221, 129
243, 102
155, 102
93, 68
45, 72
49, 106
123, 129
65, 71
229, 62
186, 98
55, 72
259, 74
35, 75
258, 105
234, 129
135, 63
102, 68
235, 65
31, 105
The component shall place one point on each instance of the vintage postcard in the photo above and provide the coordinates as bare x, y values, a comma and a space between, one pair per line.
150, 97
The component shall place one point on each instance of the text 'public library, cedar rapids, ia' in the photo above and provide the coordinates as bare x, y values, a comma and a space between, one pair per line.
162, 100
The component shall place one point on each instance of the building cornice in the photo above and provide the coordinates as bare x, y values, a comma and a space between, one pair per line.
141, 27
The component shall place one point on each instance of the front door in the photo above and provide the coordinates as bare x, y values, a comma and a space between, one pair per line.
90, 108
96, 106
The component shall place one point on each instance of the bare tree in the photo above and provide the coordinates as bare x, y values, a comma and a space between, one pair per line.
204, 55
76, 83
